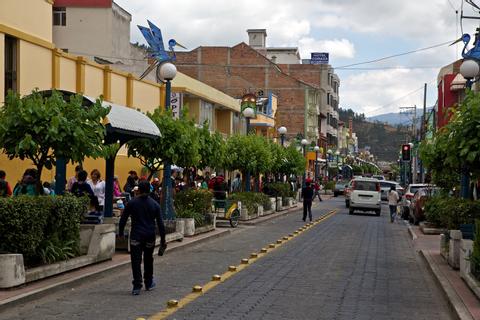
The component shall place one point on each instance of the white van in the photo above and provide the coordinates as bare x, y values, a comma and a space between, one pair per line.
365, 195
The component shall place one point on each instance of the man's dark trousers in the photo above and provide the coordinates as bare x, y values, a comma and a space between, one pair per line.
307, 205
137, 249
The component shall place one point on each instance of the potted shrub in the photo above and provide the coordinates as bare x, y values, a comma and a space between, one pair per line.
194, 207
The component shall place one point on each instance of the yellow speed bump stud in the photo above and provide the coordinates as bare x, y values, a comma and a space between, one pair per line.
295, 232
216, 277
172, 303
279, 241
197, 289
290, 235
244, 261
254, 255
271, 245
264, 250
285, 238
232, 268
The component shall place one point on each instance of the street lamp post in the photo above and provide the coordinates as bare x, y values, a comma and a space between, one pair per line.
316, 148
469, 69
329, 160
304, 143
282, 131
168, 71
248, 113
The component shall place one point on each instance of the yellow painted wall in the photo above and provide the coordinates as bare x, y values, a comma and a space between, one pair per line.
35, 67
146, 96
93, 81
223, 121
68, 73
2, 67
33, 17
193, 105
119, 89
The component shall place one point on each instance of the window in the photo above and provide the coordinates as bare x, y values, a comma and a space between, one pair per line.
10, 64
59, 16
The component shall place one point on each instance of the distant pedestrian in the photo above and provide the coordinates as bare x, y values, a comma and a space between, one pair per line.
74, 179
144, 212
98, 187
5, 189
307, 196
393, 199
237, 184
28, 184
317, 188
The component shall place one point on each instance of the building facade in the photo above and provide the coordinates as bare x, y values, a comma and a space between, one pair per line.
29, 60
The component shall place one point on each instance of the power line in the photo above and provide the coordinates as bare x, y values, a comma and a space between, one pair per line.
390, 68
396, 55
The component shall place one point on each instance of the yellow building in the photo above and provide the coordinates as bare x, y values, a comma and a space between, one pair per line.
28, 60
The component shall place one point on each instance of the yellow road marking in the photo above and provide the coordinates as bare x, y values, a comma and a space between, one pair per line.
174, 305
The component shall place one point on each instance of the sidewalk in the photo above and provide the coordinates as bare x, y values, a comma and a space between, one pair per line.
120, 259
462, 301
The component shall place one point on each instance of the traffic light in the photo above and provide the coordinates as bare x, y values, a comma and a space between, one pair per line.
406, 152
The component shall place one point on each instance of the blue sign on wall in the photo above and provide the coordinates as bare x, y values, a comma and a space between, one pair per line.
319, 58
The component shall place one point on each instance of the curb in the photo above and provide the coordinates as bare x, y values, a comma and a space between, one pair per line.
455, 302
41, 292
412, 233
269, 217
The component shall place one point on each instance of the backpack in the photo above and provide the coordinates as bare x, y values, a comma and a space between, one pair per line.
3, 188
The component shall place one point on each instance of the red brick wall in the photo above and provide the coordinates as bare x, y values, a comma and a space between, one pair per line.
241, 69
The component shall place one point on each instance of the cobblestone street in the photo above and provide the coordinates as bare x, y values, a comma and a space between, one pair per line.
347, 267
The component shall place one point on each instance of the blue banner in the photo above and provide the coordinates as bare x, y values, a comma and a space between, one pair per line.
319, 58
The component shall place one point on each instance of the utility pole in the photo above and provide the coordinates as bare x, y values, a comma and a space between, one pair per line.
423, 130
411, 165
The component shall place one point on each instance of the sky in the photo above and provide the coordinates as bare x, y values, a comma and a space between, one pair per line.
352, 31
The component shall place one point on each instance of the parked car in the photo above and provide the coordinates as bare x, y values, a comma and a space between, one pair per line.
417, 204
346, 192
385, 187
339, 188
406, 199
365, 196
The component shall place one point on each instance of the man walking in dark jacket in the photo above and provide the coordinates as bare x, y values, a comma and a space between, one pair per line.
307, 196
143, 211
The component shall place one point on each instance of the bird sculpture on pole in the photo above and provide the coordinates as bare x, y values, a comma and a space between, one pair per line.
156, 50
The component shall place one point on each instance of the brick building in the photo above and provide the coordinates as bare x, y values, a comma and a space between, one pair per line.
241, 69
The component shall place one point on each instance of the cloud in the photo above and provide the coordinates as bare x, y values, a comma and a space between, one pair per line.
382, 91
338, 48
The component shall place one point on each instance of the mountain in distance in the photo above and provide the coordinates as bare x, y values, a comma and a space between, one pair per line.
392, 118
396, 118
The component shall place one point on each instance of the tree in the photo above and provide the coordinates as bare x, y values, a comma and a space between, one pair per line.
211, 148
456, 145
294, 162
178, 143
248, 153
43, 129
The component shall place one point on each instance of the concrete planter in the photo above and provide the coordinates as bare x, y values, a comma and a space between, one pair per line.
466, 249
12, 270
189, 226
97, 243
454, 249
267, 212
427, 228
444, 246
209, 227
273, 202
98, 240
260, 211
279, 205
244, 216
